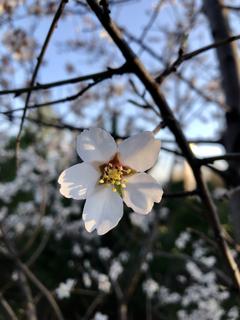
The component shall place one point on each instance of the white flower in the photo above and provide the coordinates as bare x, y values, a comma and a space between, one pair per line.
115, 270
103, 283
104, 253
151, 287
86, 280
111, 174
100, 316
182, 240
64, 289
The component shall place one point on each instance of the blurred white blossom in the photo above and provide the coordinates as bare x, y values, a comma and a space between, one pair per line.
103, 283
100, 316
86, 280
182, 240
19, 44
150, 287
115, 269
64, 289
104, 253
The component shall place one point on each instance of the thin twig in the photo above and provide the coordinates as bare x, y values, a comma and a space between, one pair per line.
226, 156
141, 258
187, 56
151, 21
180, 194
42, 211
36, 69
8, 309
30, 306
41, 86
97, 301
75, 96
58, 126
229, 7
31, 276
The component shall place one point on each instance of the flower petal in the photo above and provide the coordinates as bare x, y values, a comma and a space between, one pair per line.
96, 144
78, 181
141, 192
102, 210
140, 152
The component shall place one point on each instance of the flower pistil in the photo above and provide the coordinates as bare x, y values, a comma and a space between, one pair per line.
114, 174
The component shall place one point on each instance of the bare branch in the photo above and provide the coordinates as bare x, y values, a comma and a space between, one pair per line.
187, 56
227, 156
31, 311
181, 194
59, 126
151, 21
106, 76
8, 309
229, 7
39, 62
94, 76
153, 89
31, 275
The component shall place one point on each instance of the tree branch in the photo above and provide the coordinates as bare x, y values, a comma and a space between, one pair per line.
227, 156
180, 194
42, 86
187, 56
8, 309
39, 62
168, 116
75, 96
24, 269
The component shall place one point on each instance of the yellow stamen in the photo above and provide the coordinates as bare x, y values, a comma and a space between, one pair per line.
113, 174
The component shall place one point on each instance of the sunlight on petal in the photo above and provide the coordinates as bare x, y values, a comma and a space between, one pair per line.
140, 152
96, 145
78, 181
141, 192
103, 210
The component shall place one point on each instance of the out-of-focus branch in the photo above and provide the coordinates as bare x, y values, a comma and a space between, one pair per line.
140, 259
42, 211
30, 307
36, 254
151, 21
195, 141
8, 309
146, 105
181, 194
200, 92
187, 56
59, 126
175, 152
121, 299
230, 7
178, 74
97, 301
14, 256
227, 156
